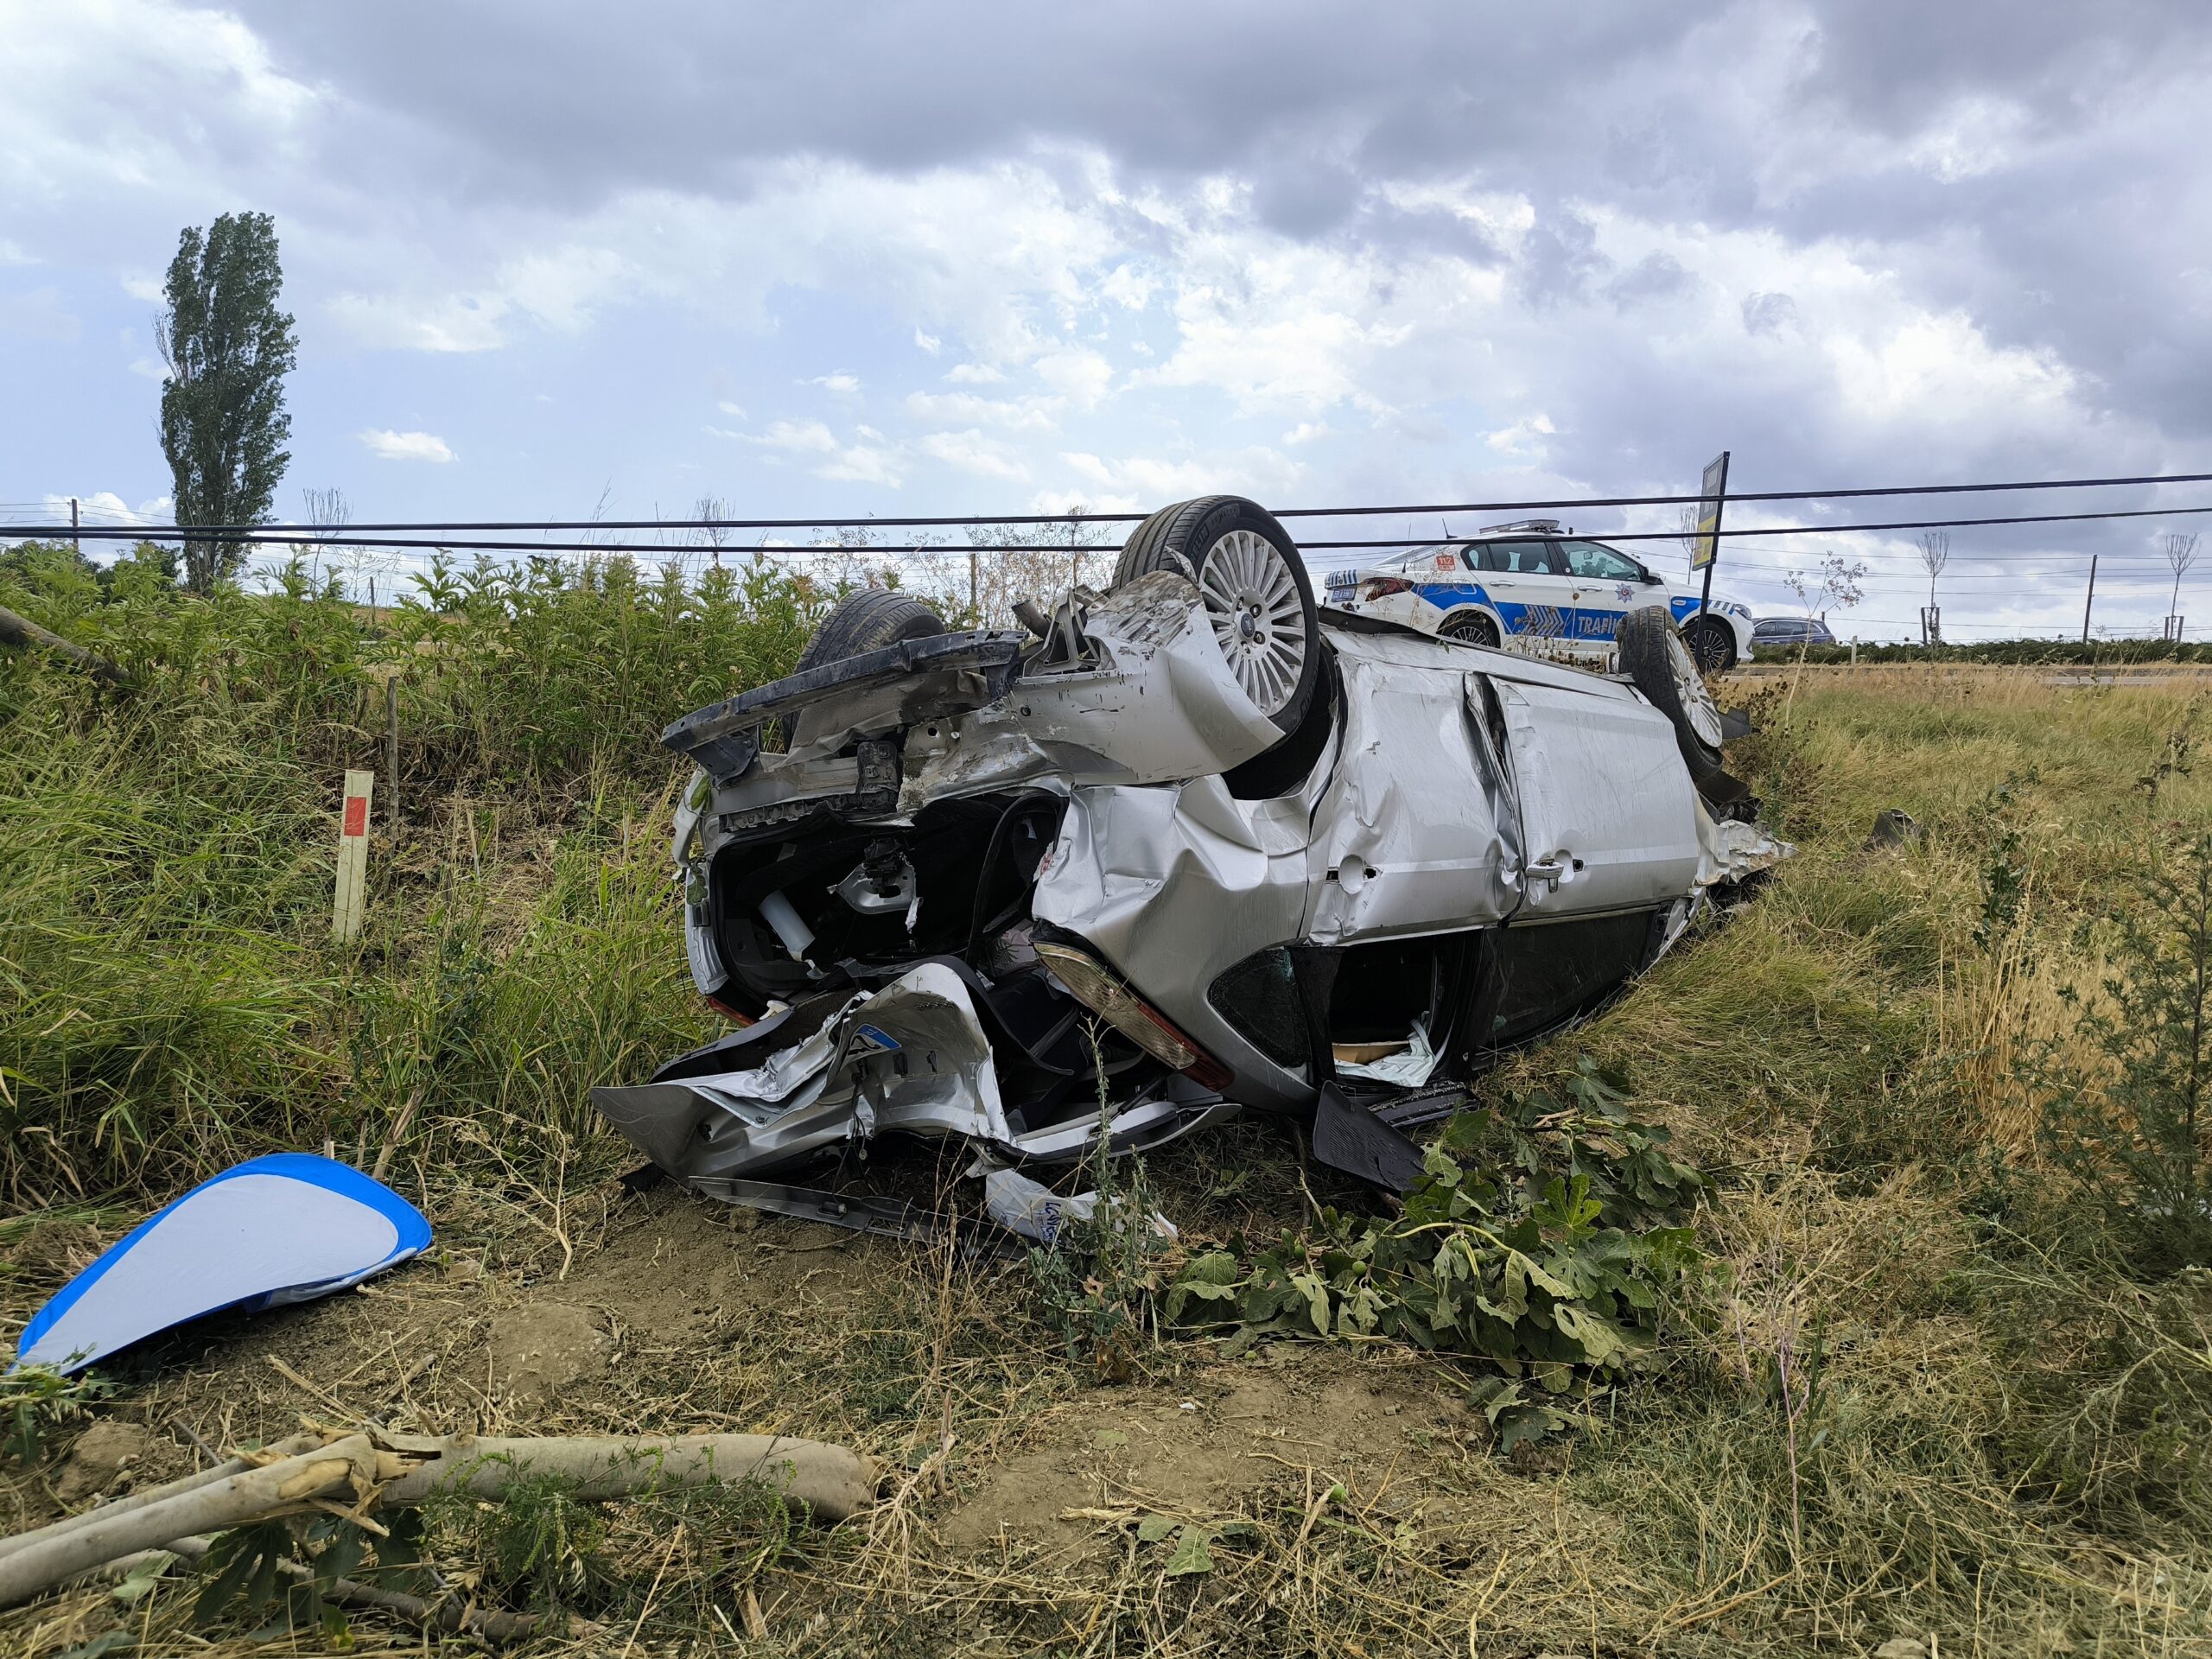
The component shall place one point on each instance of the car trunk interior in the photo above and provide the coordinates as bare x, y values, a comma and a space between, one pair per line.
954, 887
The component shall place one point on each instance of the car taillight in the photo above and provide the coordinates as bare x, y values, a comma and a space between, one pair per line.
1378, 586
1092, 984
727, 1012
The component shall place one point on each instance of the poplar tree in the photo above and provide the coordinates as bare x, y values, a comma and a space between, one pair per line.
228, 348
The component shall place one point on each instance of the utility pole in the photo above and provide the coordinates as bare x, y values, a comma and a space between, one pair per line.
2090, 601
75, 541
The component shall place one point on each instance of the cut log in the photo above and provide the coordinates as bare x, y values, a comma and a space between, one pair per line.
831, 1481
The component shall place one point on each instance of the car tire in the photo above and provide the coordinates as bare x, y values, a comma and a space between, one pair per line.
1657, 658
1254, 588
871, 619
1471, 627
1713, 642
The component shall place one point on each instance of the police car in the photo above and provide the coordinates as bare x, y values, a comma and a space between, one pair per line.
1537, 588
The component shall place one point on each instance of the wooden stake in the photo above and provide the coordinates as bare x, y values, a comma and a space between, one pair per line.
353, 856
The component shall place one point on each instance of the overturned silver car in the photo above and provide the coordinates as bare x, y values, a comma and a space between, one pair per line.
1187, 847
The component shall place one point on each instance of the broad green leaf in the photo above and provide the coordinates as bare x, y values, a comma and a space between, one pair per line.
1190, 1555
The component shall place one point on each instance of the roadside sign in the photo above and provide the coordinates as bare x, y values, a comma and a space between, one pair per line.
353, 856
1710, 494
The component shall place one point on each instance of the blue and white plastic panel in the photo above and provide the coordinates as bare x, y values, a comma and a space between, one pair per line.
287, 1228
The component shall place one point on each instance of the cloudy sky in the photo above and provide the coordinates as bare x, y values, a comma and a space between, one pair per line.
969, 256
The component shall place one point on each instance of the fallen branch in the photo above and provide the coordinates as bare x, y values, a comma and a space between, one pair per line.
23, 634
149, 1495
403, 1470
41, 1559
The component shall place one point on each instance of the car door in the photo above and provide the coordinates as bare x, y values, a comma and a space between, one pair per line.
1530, 588
1604, 586
1608, 812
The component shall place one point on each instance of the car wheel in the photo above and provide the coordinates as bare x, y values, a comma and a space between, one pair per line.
1659, 659
1713, 643
1254, 588
1472, 626
871, 619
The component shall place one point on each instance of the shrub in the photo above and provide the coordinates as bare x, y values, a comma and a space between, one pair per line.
2127, 1122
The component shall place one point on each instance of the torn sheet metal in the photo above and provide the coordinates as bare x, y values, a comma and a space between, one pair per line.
1152, 700
1730, 850
910, 1055
1171, 887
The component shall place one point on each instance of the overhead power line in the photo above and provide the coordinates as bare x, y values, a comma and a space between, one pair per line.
314, 532
281, 536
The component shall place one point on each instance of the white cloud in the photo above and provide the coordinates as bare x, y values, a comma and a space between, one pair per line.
1082, 501
1523, 437
106, 507
730, 409
1128, 287
966, 409
843, 384
974, 374
406, 446
1256, 471
1081, 376
812, 440
395, 322
971, 452
929, 343
1308, 432
146, 289
150, 368
11, 253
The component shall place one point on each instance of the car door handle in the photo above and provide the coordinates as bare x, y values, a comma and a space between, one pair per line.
1545, 870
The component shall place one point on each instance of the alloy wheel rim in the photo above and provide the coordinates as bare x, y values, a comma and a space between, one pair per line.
1691, 691
1251, 598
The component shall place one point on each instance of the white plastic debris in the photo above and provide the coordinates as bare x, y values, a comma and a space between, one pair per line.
1023, 1206
1409, 1068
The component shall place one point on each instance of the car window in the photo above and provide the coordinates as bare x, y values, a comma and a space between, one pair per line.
1594, 561
1523, 559
1545, 974
1259, 998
